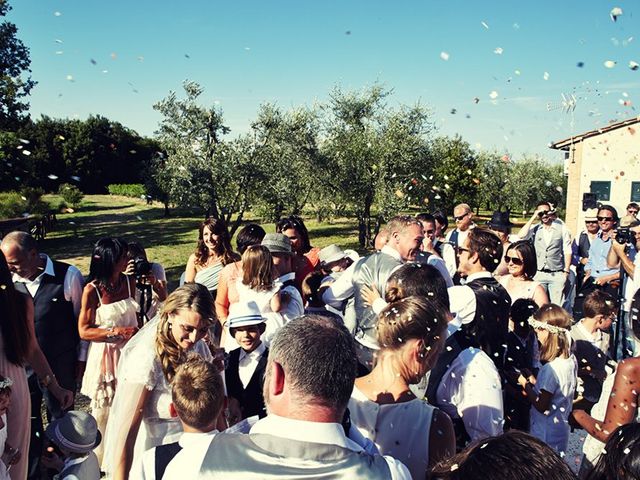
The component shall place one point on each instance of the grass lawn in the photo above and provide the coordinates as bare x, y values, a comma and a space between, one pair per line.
168, 241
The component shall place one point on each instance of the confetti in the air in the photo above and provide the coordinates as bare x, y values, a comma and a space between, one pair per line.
52, 177
633, 65
615, 13
545, 76
493, 95
57, 14
70, 78
609, 64
444, 56
26, 152
484, 24
498, 51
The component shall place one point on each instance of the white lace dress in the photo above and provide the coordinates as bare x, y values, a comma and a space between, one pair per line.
140, 368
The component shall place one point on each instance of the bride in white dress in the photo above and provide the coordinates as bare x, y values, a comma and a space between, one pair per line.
140, 418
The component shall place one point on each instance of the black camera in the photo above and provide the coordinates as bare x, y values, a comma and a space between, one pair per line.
624, 235
141, 267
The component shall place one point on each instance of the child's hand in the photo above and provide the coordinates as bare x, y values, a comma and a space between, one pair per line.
369, 294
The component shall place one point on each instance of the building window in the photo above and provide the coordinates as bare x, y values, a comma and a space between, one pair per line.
602, 191
635, 192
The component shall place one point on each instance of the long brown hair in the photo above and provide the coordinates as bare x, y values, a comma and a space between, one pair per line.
257, 268
557, 344
190, 296
13, 317
223, 247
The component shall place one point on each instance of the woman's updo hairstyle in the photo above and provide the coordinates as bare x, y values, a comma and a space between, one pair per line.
411, 317
417, 279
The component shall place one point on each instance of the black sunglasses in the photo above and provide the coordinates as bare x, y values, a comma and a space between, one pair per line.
457, 219
605, 219
515, 260
591, 221
546, 212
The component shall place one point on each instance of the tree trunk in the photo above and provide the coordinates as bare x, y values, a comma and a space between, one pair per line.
166, 209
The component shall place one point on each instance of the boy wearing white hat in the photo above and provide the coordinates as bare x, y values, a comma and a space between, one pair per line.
73, 438
246, 365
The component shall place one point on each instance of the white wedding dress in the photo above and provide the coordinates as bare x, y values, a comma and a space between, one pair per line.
140, 368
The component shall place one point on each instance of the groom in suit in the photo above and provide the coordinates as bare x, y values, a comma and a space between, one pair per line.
245, 369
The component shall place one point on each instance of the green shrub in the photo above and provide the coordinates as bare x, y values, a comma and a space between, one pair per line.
12, 205
133, 190
70, 194
33, 198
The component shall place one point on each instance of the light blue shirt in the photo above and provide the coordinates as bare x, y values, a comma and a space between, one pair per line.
597, 262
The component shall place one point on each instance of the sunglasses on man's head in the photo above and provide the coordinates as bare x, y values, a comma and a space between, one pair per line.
457, 219
515, 260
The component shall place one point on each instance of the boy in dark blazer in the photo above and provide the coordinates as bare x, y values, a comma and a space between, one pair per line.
244, 374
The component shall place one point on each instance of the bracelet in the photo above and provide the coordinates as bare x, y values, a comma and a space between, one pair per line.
47, 380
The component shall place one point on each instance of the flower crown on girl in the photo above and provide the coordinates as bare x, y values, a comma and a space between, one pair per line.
545, 326
6, 383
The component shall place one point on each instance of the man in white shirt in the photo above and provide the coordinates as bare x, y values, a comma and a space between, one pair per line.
56, 290
279, 246
197, 395
303, 435
463, 216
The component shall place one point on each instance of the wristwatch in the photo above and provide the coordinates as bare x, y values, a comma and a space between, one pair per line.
47, 380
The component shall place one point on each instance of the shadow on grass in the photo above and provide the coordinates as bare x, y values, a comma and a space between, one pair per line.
94, 207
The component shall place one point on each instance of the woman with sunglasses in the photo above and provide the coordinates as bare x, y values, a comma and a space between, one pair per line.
305, 258
521, 263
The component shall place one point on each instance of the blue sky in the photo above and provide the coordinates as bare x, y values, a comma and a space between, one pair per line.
118, 58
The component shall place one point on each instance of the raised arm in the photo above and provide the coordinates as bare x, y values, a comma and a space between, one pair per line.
622, 406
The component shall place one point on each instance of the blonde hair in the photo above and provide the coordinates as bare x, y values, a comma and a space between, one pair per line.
556, 344
190, 296
257, 268
409, 318
197, 392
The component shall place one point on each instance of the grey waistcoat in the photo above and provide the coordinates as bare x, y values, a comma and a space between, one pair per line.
260, 456
551, 256
372, 270
87, 470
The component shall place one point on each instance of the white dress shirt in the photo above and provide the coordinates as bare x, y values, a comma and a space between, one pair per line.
463, 300
186, 464
470, 389
292, 308
317, 432
248, 362
73, 287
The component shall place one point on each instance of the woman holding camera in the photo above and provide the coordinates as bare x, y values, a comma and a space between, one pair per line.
108, 319
151, 281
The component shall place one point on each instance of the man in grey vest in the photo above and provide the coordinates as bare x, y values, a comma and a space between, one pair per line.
303, 435
405, 237
552, 242
56, 290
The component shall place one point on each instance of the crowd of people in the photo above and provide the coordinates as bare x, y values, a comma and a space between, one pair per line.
469, 352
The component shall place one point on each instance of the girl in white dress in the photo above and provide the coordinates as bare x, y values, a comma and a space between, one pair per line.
257, 282
411, 331
551, 392
141, 417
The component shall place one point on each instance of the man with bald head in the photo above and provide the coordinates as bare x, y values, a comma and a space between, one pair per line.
56, 290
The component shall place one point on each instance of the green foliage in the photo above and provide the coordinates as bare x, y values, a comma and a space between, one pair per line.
133, 190
373, 153
201, 170
91, 154
12, 205
71, 194
15, 74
